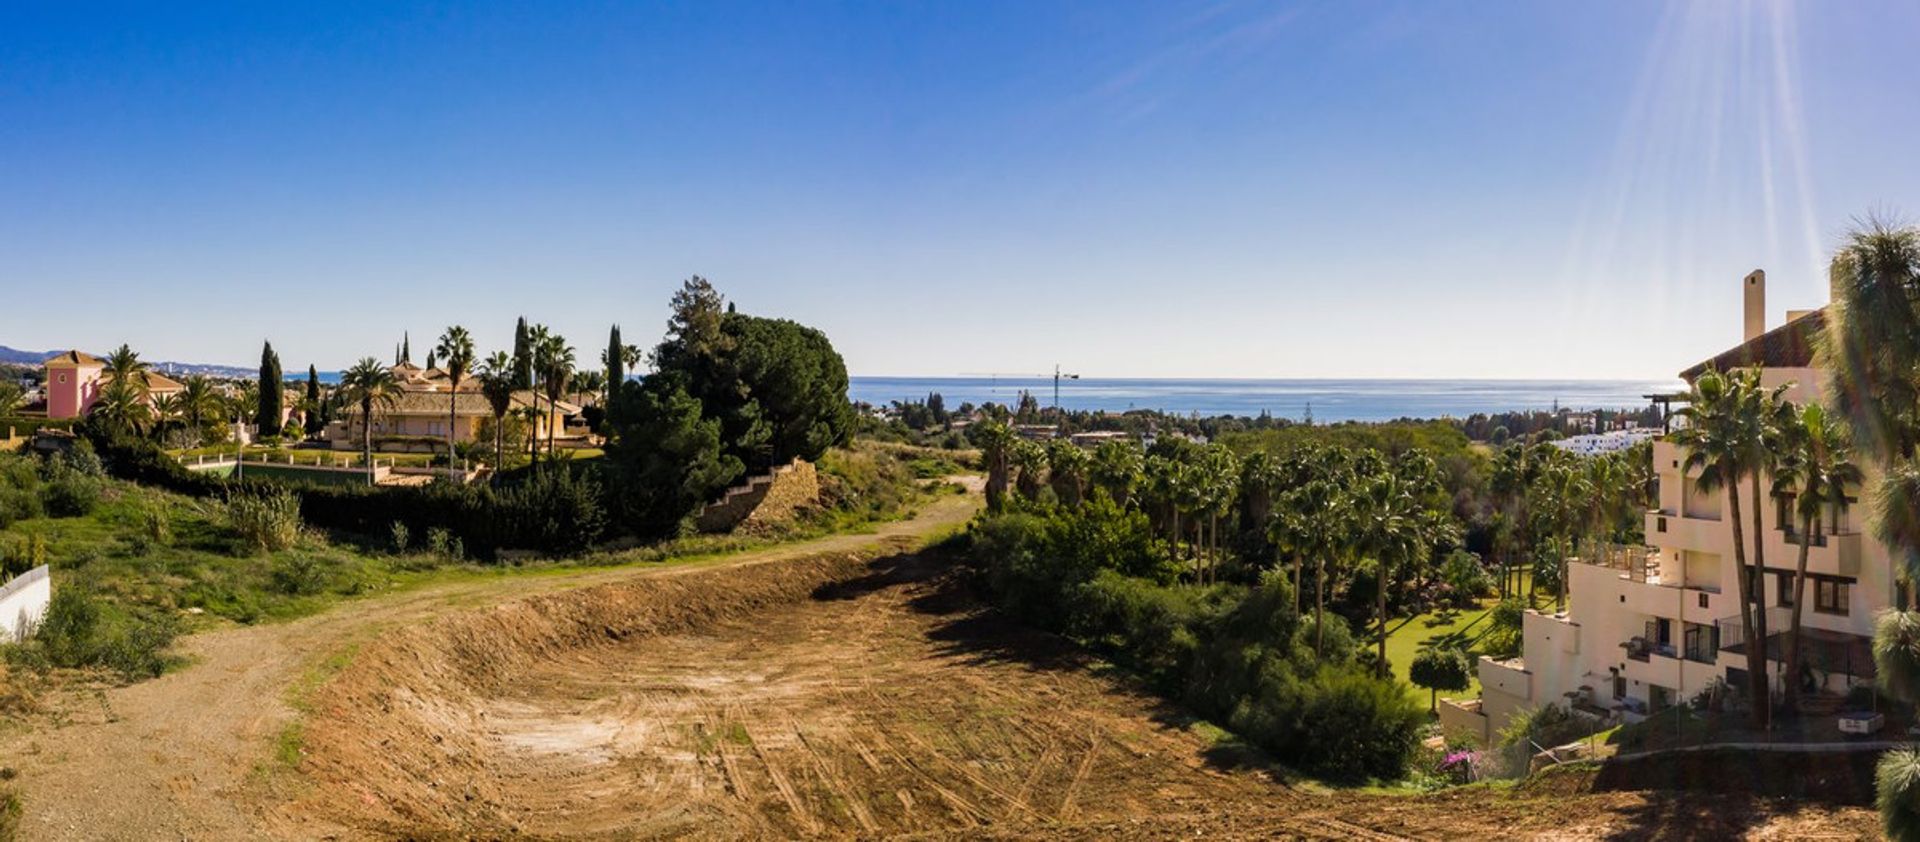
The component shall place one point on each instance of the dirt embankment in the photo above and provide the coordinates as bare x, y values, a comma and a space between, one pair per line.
400, 740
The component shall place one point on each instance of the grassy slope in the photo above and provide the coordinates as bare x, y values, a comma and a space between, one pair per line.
199, 567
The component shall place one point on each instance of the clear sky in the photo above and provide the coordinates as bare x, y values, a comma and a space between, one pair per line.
1330, 189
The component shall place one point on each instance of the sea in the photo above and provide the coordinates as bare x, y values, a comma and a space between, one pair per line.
1327, 400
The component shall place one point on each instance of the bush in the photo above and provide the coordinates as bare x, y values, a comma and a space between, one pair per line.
17, 505
1355, 726
1467, 578
71, 495
399, 537
76, 633
265, 522
300, 574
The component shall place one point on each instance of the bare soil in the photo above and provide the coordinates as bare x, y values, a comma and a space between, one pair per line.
842, 688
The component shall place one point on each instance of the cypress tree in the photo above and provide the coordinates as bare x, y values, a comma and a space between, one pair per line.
522, 356
314, 422
272, 392
406, 348
429, 359
616, 370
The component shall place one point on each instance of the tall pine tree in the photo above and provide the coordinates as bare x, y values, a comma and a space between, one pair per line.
522, 356
406, 348
272, 393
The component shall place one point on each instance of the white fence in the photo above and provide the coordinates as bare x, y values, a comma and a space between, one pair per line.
23, 602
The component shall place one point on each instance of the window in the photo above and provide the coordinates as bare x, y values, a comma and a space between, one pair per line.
1785, 589
1619, 686
1702, 642
1830, 595
63, 377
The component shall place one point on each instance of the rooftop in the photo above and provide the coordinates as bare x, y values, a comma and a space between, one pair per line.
1790, 345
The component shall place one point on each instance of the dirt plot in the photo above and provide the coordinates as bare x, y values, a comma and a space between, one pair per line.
814, 697
833, 696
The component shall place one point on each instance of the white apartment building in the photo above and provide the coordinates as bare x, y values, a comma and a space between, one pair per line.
1645, 629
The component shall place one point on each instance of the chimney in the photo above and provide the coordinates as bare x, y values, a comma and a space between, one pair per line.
1756, 304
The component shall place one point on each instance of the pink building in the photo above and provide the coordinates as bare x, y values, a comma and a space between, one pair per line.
75, 379
73, 382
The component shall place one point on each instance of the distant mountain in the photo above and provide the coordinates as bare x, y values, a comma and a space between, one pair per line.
15, 355
168, 367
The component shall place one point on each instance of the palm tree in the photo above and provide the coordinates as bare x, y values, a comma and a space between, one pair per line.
1117, 467
245, 403
1031, 459
1219, 487
1068, 471
12, 397
1388, 521
1816, 469
553, 357
496, 383
374, 387
200, 401
996, 445
167, 411
123, 403
1871, 349
1718, 439
1559, 505
456, 353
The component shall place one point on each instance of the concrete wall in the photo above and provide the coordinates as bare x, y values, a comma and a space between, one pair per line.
764, 500
1464, 717
23, 601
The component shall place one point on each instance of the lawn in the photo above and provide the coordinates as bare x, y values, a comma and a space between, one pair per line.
1458, 627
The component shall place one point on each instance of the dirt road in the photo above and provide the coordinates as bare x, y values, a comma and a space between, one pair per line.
187, 755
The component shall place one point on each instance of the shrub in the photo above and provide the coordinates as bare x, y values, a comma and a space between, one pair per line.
156, 525
1466, 576
17, 504
300, 574
71, 495
445, 545
399, 537
265, 522
1354, 726
76, 633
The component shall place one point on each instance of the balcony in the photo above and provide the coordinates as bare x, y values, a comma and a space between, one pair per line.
1671, 530
1824, 650
1651, 663
1831, 553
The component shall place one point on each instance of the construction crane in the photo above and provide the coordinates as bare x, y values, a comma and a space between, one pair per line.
1057, 376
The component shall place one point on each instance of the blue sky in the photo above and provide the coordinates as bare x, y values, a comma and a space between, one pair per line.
1471, 189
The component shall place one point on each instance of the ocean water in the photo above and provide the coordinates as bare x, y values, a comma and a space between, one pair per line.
1331, 400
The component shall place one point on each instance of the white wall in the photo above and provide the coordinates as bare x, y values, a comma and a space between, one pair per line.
22, 603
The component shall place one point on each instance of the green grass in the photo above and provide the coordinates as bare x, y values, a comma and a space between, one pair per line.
1463, 628
149, 553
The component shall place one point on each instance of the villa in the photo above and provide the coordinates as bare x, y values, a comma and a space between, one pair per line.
419, 416
76, 379
1651, 627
